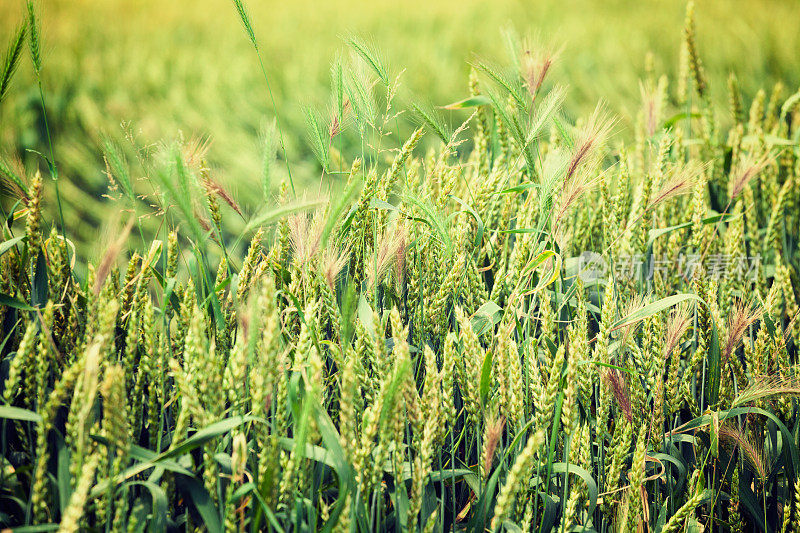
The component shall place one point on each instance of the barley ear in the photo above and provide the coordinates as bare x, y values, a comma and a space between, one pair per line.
244, 16
34, 39
11, 61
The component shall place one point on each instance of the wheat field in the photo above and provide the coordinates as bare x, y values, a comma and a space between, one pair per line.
161, 68
486, 304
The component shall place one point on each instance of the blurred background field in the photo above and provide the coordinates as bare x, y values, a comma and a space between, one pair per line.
186, 68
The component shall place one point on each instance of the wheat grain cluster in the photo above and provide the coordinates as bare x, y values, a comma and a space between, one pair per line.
512, 321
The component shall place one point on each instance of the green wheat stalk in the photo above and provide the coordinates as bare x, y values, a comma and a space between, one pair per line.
11, 61
248, 28
35, 46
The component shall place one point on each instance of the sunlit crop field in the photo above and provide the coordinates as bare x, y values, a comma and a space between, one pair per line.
169, 67
438, 266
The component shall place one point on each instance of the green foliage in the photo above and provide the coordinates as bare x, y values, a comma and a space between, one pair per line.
103, 65
426, 350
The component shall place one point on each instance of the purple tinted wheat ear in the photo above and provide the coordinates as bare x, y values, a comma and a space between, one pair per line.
628, 315
390, 245
746, 169
591, 137
305, 235
619, 387
679, 322
331, 265
579, 175
740, 319
749, 449
653, 97
492, 432
536, 63
680, 181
